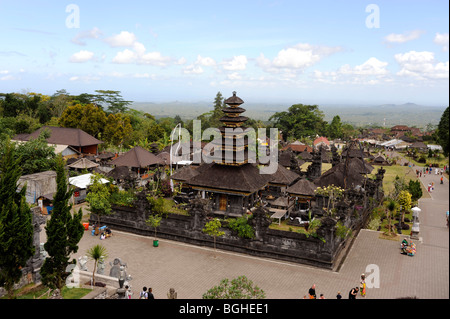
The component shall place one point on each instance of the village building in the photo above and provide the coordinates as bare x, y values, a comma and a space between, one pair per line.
69, 142
321, 141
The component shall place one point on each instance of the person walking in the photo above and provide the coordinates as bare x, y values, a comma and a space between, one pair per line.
150, 294
339, 296
143, 294
128, 292
312, 292
362, 285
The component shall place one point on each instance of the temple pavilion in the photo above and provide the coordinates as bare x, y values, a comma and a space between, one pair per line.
232, 181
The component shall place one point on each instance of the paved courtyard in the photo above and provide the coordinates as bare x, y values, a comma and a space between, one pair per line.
192, 270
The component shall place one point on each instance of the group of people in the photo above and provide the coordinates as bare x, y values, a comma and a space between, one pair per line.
104, 231
361, 290
146, 294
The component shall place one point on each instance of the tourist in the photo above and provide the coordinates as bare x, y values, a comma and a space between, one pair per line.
150, 294
128, 292
312, 292
362, 285
102, 236
442, 179
353, 292
143, 294
339, 296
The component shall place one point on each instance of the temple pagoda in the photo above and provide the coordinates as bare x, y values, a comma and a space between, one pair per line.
232, 182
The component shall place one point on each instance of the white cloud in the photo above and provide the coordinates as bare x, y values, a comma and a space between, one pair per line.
236, 63
234, 76
154, 58
85, 78
442, 39
205, 61
193, 69
372, 66
403, 37
371, 72
137, 53
90, 34
123, 39
297, 57
82, 56
421, 65
126, 56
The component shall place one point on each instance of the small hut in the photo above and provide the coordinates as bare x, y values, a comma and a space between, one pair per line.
303, 192
83, 163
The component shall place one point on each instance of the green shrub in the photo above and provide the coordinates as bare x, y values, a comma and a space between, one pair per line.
241, 226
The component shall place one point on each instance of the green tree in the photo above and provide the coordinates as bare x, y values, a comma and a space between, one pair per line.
300, 121
212, 228
64, 232
154, 221
37, 156
115, 102
117, 127
87, 117
415, 190
404, 200
443, 132
96, 253
391, 206
238, 288
16, 230
98, 198
335, 128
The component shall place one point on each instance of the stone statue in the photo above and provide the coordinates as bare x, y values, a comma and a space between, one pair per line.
82, 261
101, 266
122, 276
115, 267
172, 294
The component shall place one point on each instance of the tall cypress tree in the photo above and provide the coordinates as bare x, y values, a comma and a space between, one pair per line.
64, 232
16, 229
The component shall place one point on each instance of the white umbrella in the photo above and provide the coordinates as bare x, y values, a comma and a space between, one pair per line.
416, 209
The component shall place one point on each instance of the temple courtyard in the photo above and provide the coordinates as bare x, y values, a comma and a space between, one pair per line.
192, 270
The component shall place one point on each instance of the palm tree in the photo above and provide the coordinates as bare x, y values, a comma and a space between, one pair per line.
96, 253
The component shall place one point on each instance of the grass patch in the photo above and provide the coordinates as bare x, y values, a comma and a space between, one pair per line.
172, 208
33, 291
394, 237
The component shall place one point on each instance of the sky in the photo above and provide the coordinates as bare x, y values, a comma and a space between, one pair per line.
274, 51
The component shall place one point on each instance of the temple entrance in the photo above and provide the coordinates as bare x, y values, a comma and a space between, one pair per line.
223, 202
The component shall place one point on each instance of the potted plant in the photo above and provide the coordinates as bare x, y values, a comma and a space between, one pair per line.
154, 221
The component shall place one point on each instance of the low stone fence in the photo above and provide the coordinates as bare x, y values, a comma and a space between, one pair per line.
321, 251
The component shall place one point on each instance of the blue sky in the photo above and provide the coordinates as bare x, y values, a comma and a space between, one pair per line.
274, 51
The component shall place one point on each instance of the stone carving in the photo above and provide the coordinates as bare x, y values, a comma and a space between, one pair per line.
101, 266
172, 294
115, 267
82, 261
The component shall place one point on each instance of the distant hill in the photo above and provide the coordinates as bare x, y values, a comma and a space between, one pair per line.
359, 115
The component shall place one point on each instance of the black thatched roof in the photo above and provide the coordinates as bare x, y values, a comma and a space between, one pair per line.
305, 155
137, 157
107, 155
121, 173
244, 178
302, 187
347, 174
283, 176
184, 173
234, 100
